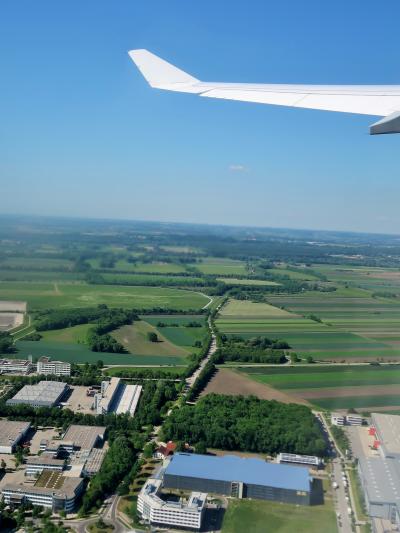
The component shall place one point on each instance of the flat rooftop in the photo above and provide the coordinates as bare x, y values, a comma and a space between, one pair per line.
12, 431
388, 429
232, 468
382, 479
44, 460
84, 437
49, 483
44, 392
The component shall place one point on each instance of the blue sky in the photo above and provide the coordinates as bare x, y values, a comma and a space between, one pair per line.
81, 133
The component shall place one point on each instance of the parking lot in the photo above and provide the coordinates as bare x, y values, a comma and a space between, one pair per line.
78, 401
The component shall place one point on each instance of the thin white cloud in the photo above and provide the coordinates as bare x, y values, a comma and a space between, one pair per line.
237, 168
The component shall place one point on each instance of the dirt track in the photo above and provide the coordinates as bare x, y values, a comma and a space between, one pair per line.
231, 383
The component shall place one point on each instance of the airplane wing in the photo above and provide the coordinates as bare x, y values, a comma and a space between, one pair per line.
379, 100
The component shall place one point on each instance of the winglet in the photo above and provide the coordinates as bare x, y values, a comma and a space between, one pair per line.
162, 75
389, 124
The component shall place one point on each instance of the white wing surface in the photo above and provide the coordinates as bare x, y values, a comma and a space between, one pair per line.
379, 100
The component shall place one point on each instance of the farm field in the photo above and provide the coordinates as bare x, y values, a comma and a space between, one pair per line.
36, 263
362, 329
334, 386
233, 383
79, 353
220, 266
53, 295
236, 281
74, 334
259, 516
134, 338
149, 268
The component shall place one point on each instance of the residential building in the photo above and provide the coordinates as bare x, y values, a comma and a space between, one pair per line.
165, 450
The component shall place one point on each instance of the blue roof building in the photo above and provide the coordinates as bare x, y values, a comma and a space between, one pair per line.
239, 477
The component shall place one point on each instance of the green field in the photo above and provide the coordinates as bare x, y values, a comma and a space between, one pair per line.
236, 281
259, 516
47, 295
361, 329
79, 353
150, 268
366, 385
220, 267
36, 263
134, 338
74, 334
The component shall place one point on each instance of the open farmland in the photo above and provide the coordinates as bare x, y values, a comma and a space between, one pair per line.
53, 295
220, 267
123, 265
79, 353
232, 383
334, 386
372, 322
134, 338
349, 328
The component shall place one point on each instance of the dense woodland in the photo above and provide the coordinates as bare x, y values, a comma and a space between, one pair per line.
247, 424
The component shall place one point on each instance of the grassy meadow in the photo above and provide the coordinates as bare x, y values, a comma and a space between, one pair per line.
79, 294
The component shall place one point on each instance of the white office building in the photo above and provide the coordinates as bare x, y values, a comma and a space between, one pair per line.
179, 514
47, 367
54, 492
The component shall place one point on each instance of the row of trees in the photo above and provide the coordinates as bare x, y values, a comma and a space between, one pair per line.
6, 343
247, 424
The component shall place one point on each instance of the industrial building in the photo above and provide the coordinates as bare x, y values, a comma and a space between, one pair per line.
16, 366
305, 460
117, 397
52, 490
43, 394
46, 367
79, 445
11, 434
239, 477
158, 511
380, 476
84, 437
36, 464
351, 419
